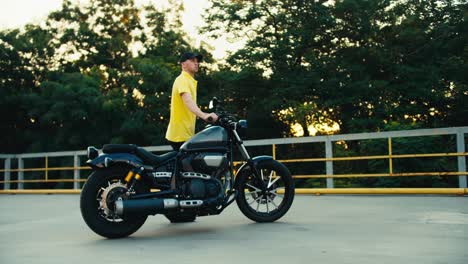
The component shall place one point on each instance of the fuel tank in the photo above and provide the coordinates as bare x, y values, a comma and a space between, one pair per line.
211, 137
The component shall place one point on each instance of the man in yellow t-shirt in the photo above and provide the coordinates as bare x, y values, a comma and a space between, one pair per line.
184, 109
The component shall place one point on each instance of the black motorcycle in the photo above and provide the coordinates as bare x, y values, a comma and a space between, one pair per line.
129, 183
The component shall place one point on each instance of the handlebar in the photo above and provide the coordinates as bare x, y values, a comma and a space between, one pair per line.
225, 119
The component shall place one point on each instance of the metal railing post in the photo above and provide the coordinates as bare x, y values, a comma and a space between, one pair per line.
7, 174
329, 163
20, 174
76, 172
390, 160
461, 159
46, 168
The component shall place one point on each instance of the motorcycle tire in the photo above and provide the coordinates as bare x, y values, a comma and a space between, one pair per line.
89, 205
247, 190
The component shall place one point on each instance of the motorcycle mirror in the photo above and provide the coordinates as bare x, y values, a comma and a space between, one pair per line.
213, 103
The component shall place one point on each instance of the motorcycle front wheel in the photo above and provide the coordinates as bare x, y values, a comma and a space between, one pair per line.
97, 200
265, 205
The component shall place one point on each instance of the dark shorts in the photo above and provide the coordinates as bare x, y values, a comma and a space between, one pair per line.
175, 145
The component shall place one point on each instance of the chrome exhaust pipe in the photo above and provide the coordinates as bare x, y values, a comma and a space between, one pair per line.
152, 206
144, 206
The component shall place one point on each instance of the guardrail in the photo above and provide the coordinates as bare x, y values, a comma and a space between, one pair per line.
328, 159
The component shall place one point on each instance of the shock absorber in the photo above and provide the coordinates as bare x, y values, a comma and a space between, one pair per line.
132, 177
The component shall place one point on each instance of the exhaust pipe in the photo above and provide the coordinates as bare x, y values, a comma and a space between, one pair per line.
152, 206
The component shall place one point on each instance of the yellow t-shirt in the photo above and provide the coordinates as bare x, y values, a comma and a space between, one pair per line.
182, 122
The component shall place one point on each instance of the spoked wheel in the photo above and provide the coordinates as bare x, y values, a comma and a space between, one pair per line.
266, 205
97, 200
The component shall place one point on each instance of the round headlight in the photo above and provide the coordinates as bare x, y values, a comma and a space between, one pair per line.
242, 128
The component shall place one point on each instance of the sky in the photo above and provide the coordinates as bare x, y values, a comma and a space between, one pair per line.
17, 13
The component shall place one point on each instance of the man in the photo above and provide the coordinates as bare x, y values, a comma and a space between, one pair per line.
184, 109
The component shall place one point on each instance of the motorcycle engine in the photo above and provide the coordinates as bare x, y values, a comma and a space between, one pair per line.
202, 189
200, 174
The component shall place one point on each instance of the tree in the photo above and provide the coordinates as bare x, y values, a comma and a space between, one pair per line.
24, 58
362, 64
79, 79
285, 42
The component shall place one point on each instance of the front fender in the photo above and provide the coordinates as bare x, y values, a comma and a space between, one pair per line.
245, 168
116, 158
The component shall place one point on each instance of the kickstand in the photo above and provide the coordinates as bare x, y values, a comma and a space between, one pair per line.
228, 200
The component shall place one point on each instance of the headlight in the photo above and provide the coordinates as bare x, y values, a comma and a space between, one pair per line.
92, 153
242, 128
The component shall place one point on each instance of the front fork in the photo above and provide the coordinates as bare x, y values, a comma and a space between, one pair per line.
258, 175
250, 162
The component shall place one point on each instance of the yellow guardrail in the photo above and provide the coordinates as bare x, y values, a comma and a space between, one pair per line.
310, 191
366, 175
41, 191
319, 191
312, 176
46, 169
329, 159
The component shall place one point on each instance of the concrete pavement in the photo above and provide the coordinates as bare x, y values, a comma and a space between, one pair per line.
317, 229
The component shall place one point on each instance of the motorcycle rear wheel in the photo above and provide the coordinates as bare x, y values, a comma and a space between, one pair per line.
103, 224
272, 204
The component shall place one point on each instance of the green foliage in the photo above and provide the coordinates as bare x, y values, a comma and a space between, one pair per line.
408, 145
367, 65
64, 97
78, 80
362, 63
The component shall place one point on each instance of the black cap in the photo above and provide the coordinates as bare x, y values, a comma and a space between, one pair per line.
190, 55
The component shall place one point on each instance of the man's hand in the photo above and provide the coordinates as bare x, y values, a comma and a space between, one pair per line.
210, 118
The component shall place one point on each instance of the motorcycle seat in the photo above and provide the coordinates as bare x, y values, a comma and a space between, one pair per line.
153, 159
119, 148
146, 156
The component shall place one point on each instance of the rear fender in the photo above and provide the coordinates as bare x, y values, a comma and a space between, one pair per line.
115, 159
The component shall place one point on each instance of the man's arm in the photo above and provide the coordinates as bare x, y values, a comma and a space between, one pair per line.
192, 106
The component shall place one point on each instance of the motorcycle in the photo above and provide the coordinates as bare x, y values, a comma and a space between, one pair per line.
128, 183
